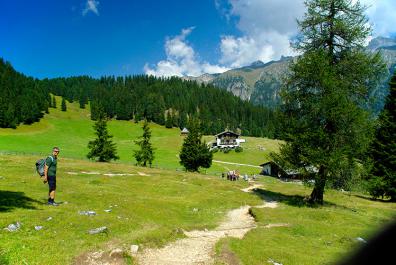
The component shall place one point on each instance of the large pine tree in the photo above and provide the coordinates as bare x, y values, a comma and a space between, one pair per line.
195, 153
383, 149
326, 125
145, 155
102, 148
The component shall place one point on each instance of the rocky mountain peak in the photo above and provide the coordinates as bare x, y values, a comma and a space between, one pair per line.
257, 64
381, 42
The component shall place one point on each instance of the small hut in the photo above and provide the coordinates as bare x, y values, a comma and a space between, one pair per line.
273, 169
184, 132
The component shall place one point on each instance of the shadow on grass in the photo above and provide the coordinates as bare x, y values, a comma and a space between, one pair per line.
10, 200
371, 198
293, 200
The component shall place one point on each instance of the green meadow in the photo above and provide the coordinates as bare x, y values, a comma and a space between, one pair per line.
150, 206
71, 131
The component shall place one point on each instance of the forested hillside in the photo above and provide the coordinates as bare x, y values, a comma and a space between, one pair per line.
166, 101
22, 99
169, 101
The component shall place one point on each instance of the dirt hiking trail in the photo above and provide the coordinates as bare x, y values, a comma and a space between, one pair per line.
198, 247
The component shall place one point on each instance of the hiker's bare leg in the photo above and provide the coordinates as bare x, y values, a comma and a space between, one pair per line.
52, 195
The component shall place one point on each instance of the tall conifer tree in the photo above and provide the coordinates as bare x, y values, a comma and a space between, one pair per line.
102, 148
326, 126
194, 153
145, 155
383, 149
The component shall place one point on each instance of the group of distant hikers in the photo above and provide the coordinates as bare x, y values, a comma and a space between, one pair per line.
233, 175
47, 171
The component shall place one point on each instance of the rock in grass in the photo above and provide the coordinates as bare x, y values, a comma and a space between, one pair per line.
13, 227
134, 249
88, 213
49, 218
99, 230
116, 253
38, 227
108, 210
362, 240
274, 262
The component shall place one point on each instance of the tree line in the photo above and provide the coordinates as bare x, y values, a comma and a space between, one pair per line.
166, 101
22, 99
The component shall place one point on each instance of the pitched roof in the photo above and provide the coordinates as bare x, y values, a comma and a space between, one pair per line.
225, 132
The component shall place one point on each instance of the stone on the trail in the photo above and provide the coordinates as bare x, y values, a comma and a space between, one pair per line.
13, 227
362, 240
274, 262
89, 213
116, 253
108, 210
65, 202
38, 227
98, 230
49, 218
195, 210
134, 249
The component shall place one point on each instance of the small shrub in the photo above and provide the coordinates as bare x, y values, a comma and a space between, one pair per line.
238, 149
226, 150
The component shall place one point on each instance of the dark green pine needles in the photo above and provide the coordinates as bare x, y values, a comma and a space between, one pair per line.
194, 153
102, 148
326, 127
383, 150
145, 155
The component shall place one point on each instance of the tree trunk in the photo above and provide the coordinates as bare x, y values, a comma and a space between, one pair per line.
320, 182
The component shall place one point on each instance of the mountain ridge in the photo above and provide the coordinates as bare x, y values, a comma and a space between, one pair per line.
260, 82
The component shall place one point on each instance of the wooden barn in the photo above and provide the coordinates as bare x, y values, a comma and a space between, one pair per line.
273, 169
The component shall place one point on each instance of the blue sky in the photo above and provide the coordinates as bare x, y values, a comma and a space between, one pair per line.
50, 38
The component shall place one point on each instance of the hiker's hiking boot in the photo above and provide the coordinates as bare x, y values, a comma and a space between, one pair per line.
53, 203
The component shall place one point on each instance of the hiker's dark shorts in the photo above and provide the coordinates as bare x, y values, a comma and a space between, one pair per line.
51, 183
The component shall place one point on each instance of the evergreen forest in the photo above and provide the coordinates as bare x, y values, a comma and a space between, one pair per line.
22, 99
171, 101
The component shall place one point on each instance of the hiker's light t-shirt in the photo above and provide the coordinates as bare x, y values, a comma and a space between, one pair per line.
51, 163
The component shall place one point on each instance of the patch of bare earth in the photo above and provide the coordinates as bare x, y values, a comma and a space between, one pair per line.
198, 247
252, 187
111, 256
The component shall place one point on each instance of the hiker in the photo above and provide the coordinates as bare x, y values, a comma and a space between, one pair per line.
50, 175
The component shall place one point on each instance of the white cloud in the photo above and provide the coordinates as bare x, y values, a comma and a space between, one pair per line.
382, 16
267, 27
181, 59
91, 6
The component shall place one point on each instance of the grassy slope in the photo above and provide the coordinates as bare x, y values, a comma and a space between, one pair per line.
151, 208
316, 235
72, 130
